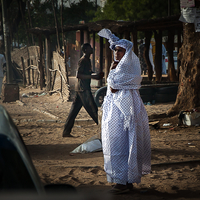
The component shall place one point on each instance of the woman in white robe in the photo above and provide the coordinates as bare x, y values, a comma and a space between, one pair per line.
125, 129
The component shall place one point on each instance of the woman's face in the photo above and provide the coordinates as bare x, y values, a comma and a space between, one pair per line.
119, 53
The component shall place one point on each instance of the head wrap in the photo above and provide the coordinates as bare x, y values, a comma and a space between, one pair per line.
125, 77
127, 74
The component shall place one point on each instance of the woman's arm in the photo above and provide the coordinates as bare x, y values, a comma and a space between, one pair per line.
113, 66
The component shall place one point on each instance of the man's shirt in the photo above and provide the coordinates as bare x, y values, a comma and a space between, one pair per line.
85, 68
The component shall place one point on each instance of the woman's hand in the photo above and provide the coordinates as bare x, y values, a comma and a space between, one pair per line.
113, 65
113, 90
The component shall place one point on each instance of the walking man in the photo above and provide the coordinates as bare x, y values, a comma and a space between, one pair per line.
83, 95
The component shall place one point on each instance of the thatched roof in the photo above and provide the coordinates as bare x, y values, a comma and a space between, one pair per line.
118, 26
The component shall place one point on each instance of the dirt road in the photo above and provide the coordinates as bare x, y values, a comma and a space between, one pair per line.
175, 150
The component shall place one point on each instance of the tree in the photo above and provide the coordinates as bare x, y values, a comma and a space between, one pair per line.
30, 20
56, 26
14, 17
188, 96
143, 9
42, 14
83, 10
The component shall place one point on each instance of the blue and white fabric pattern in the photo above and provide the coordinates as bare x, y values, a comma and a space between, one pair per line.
126, 76
125, 129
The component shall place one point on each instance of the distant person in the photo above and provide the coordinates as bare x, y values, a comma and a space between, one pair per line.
143, 64
151, 57
68, 62
164, 71
69, 65
83, 90
2, 67
141, 58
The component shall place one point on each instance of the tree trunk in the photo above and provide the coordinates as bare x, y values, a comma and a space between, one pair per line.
56, 25
24, 72
2, 49
48, 62
30, 21
18, 18
11, 34
41, 68
61, 10
6, 33
188, 96
24, 21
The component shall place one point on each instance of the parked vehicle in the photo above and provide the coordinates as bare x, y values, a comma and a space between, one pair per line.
175, 53
148, 94
17, 172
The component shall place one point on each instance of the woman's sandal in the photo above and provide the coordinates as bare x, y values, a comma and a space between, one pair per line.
119, 189
129, 186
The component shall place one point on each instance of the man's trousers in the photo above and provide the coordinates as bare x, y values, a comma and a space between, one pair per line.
86, 100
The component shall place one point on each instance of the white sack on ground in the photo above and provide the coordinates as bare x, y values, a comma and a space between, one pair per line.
91, 145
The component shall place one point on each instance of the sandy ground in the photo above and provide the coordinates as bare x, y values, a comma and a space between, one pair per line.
175, 150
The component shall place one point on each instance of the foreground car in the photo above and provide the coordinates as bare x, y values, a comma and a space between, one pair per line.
17, 172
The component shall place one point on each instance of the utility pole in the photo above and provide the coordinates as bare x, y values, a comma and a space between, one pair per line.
10, 91
6, 33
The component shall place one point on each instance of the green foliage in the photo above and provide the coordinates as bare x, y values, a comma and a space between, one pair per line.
42, 15
84, 10
135, 10
81, 11
41, 12
112, 10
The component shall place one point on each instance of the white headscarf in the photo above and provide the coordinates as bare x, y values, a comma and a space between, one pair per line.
127, 74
